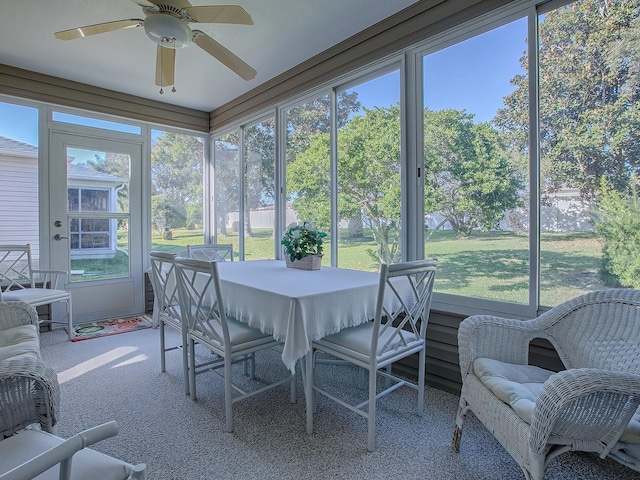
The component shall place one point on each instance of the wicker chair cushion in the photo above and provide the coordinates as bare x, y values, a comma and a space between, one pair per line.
516, 385
520, 385
19, 341
86, 464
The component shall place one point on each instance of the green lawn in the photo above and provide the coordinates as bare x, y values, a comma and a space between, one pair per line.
492, 265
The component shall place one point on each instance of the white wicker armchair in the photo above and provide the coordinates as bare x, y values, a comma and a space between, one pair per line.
536, 414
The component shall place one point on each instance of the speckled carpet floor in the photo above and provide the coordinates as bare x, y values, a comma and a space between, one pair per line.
118, 378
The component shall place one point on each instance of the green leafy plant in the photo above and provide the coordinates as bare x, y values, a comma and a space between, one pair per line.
618, 223
302, 239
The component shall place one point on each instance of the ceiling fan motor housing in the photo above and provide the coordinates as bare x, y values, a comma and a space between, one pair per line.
167, 30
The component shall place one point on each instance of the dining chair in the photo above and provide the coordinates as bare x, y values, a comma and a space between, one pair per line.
202, 310
219, 252
19, 281
166, 308
398, 330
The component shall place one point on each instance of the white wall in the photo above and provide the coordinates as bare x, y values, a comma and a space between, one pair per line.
19, 202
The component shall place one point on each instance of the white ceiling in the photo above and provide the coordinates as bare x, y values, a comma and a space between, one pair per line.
284, 34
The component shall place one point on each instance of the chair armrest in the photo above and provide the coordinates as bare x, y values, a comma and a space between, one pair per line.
591, 406
16, 314
488, 336
29, 393
50, 277
62, 453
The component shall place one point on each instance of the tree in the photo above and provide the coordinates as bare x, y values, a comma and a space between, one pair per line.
368, 177
118, 165
589, 97
617, 220
166, 215
176, 175
469, 179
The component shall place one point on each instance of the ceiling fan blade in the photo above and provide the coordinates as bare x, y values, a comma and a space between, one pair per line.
224, 55
165, 66
219, 14
145, 3
98, 28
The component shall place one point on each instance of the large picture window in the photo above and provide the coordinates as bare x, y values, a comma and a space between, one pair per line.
475, 185
177, 180
518, 172
369, 173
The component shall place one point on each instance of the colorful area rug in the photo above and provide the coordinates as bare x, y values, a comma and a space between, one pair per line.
86, 331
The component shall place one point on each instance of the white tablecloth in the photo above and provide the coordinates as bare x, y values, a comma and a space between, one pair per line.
297, 306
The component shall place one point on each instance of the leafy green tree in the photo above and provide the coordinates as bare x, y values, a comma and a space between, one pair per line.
368, 177
176, 175
303, 123
227, 179
469, 179
166, 215
618, 222
589, 97
118, 165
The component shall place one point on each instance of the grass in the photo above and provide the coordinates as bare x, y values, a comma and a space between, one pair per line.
492, 265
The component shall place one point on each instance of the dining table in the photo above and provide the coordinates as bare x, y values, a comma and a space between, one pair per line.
298, 306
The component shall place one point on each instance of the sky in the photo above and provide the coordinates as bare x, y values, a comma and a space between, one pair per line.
473, 75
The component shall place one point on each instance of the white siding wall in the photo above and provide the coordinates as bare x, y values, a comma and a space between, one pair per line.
19, 202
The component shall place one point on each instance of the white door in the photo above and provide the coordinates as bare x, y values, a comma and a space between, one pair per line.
96, 232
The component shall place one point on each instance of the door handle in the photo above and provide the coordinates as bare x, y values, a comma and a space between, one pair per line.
59, 237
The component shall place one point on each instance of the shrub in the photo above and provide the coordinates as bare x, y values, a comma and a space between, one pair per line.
618, 223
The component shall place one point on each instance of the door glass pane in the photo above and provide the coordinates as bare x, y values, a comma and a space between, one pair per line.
307, 166
259, 202
589, 149
98, 213
177, 179
226, 187
19, 217
369, 183
476, 166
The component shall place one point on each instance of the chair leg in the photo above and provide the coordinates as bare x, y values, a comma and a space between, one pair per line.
308, 390
162, 346
192, 369
371, 417
69, 319
185, 362
457, 433
421, 374
228, 395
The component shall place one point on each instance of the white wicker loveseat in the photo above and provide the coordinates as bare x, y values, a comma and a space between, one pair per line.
535, 414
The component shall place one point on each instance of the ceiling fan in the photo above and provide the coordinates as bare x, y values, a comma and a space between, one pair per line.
167, 24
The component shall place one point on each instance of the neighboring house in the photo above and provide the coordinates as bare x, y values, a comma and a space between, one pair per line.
563, 211
19, 194
88, 191
95, 192
261, 217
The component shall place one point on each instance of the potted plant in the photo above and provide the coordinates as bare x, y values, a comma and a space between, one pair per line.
303, 246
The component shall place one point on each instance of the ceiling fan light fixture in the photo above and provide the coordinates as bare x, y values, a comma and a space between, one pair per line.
167, 30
